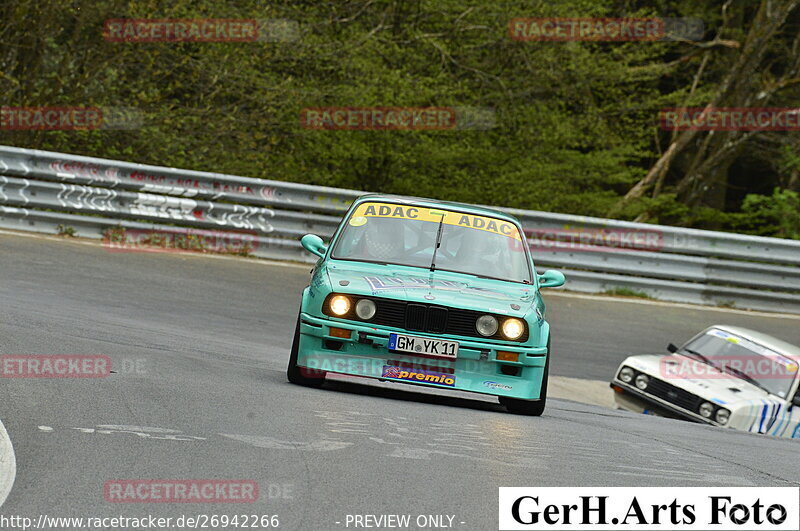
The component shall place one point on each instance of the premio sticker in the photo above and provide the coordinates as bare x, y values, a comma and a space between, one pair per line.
358, 221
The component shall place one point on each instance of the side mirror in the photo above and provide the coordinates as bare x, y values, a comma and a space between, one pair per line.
796, 399
551, 279
672, 348
314, 244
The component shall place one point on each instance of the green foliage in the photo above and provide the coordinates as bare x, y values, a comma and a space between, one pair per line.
66, 230
627, 292
575, 122
777, 215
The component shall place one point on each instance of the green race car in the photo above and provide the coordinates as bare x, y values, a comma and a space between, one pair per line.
430, 293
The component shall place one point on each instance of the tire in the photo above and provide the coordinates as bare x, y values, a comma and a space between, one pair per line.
531, 408
301, 375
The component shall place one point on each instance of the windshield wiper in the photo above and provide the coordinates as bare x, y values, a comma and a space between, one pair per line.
695, 353
727, 368
746, 377
476, 275
438, 243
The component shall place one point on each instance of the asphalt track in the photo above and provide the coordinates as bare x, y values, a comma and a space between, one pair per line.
199, 346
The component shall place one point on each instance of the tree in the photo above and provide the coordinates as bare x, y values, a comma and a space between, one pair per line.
750, 80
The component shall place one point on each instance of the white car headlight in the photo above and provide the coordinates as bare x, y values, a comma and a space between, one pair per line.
641, 382
723, 415
339, 304
486, 325
706, 409
626, 374
513, 328
365, 309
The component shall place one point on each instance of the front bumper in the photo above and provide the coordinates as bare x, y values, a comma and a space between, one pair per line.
365, 353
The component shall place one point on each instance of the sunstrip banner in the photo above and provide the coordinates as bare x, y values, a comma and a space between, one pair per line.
434, 215
418, 375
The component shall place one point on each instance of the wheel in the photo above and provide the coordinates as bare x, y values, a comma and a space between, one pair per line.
532, 408
302, 375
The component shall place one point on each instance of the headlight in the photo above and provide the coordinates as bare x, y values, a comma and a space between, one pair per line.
706, 409
513, 328
641, 382
486, 325
339, 304
365, 309
723, 415
626, 374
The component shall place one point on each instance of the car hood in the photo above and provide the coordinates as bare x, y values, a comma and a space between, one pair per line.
713, 385
437, 287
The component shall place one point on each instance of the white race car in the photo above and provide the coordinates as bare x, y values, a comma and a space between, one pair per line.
724, 376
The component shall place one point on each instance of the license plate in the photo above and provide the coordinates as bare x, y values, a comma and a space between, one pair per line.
423, 345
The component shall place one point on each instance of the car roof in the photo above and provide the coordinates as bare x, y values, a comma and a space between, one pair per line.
436, 203
778, 345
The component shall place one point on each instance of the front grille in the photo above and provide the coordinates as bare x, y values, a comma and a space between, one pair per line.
437, 320
417, 317
390, 313
462, 323
673, 395
420, 317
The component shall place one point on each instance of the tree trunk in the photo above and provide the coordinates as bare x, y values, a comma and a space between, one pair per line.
737, 90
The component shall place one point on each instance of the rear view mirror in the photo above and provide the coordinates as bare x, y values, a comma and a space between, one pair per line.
672, 348
551, 279
313, 244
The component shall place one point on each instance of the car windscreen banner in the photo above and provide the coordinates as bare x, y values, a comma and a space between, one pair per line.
367, 210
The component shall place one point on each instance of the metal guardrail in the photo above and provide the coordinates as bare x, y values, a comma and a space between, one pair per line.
116, 175
97, 198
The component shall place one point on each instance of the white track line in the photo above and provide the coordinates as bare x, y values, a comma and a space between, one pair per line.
8, 464
548, 292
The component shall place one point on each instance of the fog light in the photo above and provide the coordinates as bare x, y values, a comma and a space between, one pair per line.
339, 304
706, 409
626, 374
509, 370
486, 325
340, 332
641, 382
723, 415
365, 309
502, 355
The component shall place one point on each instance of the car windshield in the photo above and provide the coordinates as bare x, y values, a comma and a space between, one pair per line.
406, 235
747, 360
